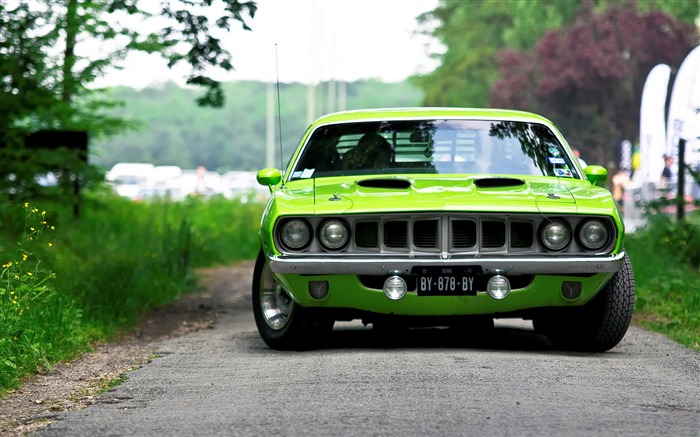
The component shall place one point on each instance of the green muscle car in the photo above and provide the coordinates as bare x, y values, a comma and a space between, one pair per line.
440, 217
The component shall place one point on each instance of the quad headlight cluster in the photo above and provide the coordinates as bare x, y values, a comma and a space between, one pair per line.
592, 234
296, 234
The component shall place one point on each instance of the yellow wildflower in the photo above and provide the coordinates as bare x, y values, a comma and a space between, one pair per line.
50, 244
32, 229
26, 204
52, 228
30, 274
24, 257
43, 212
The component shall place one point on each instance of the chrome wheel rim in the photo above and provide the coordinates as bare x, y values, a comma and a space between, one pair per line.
275, 303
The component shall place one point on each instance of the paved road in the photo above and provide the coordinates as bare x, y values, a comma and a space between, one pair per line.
225, 381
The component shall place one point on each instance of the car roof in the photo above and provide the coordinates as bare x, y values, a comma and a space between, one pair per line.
428, 112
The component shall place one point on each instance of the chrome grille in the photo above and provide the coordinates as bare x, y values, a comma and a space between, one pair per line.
445, 234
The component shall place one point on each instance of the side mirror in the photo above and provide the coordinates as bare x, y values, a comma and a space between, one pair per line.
596, 175
269, 177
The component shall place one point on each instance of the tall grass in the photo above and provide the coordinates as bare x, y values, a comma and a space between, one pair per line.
30, 303
665, 257
67, 282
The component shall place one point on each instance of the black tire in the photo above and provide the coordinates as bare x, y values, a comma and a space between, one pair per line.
282, 323
598, 326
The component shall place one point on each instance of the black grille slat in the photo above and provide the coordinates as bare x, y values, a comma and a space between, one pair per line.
522, 235
367, 235
493, 234
463, 234
396, 234
425, 234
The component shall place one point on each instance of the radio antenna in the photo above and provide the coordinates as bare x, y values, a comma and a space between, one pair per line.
279, 111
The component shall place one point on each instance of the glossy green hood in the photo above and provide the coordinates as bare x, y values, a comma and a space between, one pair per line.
473, 193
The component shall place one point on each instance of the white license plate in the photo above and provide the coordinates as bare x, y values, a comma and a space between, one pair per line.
450, 281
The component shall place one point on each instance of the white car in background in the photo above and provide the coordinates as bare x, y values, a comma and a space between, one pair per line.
128, 178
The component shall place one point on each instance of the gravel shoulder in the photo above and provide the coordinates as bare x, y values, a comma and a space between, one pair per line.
76, 384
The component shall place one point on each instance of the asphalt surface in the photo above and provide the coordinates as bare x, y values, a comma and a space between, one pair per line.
225, 381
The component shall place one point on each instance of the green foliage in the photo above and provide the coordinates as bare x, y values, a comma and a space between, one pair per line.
593, 95
43, 89
688, 11
666, 260
475, 32
22, 170
30, 302
65, 283
176, 132
218, 235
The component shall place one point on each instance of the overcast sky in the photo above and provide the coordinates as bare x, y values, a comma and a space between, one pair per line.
315, 40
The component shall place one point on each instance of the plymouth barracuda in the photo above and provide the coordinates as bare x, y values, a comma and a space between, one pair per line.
446, 217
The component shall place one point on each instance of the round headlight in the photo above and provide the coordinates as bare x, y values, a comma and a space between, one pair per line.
395, 287
498, 287
555, 235
333, 234
296, 234
593, 234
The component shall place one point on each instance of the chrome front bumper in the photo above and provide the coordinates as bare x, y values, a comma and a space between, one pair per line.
315, 265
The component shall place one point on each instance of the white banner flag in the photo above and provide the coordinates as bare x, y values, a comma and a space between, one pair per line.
683, 108
652, 126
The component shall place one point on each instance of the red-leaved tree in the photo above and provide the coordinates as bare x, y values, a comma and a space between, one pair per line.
588, 78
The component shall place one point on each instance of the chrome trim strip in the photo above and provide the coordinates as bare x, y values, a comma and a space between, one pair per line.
314, 265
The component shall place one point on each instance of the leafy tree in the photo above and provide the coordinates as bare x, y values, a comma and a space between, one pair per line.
588, 77
45, 78
52, 89
474, 32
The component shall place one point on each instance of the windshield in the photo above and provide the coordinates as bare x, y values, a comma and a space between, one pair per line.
433, 146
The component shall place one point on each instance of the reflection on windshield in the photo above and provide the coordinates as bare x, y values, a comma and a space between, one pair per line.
433, 146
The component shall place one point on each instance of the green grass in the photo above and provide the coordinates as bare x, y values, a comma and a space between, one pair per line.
665, 260
66, 283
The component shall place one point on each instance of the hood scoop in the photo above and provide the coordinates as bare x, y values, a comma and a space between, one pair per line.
389, 184
498, 182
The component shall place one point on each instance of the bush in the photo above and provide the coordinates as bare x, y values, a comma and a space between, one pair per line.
60, 291
666, 259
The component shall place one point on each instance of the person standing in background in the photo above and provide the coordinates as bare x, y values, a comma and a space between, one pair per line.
667, 173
